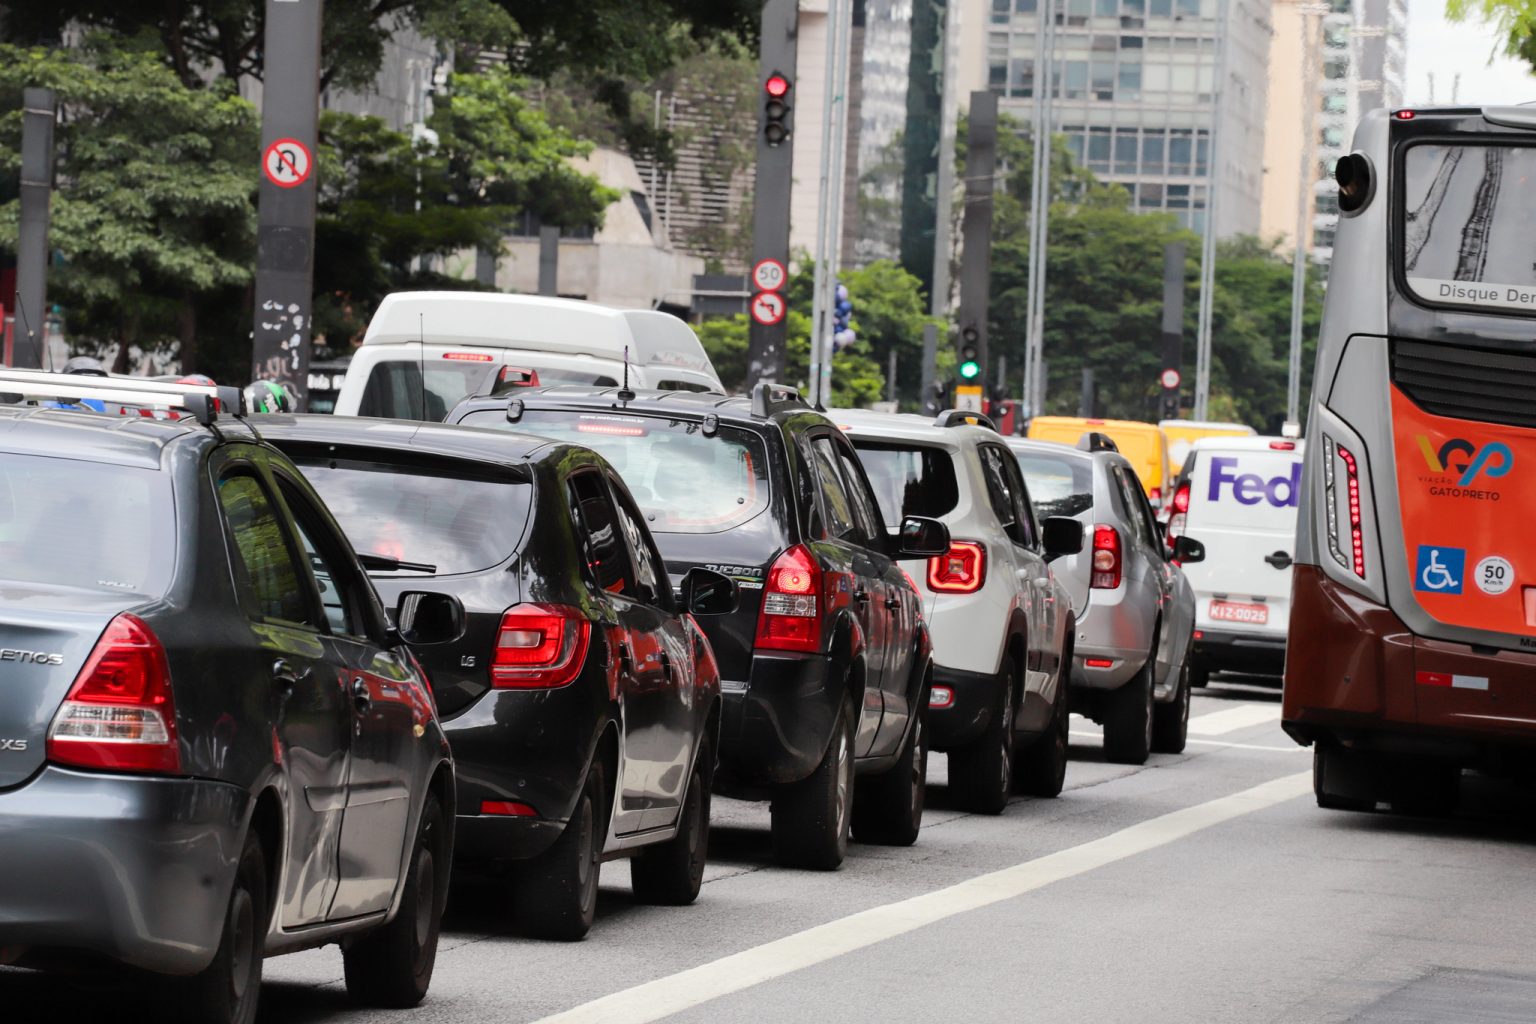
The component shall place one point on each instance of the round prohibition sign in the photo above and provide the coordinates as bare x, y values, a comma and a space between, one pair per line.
1171, 379
287, 163
768, 308
769, 275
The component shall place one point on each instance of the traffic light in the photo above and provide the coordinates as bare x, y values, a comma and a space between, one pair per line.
776, 109
970, 353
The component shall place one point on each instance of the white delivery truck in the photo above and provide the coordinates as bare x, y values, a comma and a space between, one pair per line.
424, 352
1238, 497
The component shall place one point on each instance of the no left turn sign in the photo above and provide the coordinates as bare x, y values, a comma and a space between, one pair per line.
287, 163
769, 275
768, 308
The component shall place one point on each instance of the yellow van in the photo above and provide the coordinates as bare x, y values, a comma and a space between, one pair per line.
1142, 444
1182, 434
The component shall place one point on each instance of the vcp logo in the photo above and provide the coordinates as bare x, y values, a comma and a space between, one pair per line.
1467, 461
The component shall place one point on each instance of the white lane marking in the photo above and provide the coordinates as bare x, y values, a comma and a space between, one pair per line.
1219, 723
1209, 743
675, 993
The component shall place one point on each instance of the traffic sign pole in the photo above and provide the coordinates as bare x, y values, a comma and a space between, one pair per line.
775, 177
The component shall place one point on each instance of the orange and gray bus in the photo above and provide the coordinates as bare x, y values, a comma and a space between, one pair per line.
1413, 612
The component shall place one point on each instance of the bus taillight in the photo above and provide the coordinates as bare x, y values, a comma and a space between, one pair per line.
1355, 559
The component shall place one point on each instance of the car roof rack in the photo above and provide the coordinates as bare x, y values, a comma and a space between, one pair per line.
767, 396
964, 418
1093, 441
203, 401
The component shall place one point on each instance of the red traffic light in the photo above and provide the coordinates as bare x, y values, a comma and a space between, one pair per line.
777, 86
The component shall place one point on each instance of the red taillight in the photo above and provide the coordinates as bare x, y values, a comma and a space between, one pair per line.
1406, 115
790, 619
507, 809
119, 714
1283, 446
1180, 516
1356, 534
960, 570
469, 357
1181, 498
1098, 663
1155, 495
1106, 558
539, 646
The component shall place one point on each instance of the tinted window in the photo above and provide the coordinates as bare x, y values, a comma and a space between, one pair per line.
85, 524
1025, 530
998, 491
650, 570
863, 502
266, 573
909, 480
455, 518
331, 584
1058, 486
683, 481
1131, 495
395, 388
607, 554
835, 504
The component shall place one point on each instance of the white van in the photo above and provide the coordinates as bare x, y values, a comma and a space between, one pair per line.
427, 351
1238, 496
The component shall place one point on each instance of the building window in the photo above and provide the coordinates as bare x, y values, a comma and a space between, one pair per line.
1075, 80
1130, 80
1180, 151
1331, 136
1022, 80
1336, 69
1160, 8
1103, 80
1131, 42
1335, 103
997, 76
1336, 36
1152, 154
1125, 153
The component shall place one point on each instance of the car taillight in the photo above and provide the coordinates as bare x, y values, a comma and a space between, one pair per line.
1355, 558
1155, 496
790, 619
1180, 517
1106, 558
1283, 446
119, 714
960, 570
539, 646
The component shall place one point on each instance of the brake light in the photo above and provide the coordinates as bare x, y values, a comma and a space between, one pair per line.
1406, 115
1180, 517
610, 429
1355, 559
1106, 558
960, 570
469, 357
790, 619
1155, 495
1098, 663
119, 714
1283, 446
507, 809
539, 646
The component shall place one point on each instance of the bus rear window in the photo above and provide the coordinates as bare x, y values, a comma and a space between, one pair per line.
1468, 220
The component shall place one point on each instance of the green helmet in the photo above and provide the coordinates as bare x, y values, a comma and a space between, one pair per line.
268, 396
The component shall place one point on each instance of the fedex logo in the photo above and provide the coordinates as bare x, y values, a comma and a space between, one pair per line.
1250, 488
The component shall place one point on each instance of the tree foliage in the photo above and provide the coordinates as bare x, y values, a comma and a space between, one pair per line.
1515, 21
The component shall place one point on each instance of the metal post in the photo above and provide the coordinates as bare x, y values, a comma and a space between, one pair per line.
549, 260
1212, 204
833, 143
976, 229
1311, 20
890, 376
778, 54
930, 398
1086, 398
944, 206
290, 114
1040, 211
30, 334
1173, 325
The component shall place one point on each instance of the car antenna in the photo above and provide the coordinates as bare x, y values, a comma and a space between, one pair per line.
625, 394
421, 360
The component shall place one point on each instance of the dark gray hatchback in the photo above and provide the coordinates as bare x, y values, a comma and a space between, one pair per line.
213, 746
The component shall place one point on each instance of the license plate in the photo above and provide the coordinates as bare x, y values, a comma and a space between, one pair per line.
1230, 611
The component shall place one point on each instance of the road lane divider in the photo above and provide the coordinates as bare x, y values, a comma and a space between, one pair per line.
1219, 723
675, 993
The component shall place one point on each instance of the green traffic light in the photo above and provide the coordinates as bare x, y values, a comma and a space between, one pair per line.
970, 369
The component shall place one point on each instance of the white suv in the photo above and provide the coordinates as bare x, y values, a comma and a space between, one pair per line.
1001, 623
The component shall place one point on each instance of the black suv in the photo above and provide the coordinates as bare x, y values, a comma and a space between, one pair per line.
213, 746
582, 700
826, 662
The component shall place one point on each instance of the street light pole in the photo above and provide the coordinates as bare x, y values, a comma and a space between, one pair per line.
1212, 205
829, 205
1039, 211
1311, 18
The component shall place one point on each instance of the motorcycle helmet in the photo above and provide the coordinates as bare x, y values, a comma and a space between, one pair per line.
268, 396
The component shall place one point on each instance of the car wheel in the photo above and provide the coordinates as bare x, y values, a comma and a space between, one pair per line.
981, 774
811, 818
889, 808
556, 892
1042, 770
1128, 723
671, 873
1341, 780
1170, 722
227, 990
392, 966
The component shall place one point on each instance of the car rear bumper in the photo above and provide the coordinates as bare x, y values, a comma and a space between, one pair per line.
972, 703
135, 869
775, 728
1217, 649
1364, 680
1116, 626
488, 838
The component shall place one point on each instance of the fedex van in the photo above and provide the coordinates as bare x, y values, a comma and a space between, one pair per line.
425, 352
1238, 496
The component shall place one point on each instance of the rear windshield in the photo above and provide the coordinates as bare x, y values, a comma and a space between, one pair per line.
1245, 489
455, 520
1469, 216
1057, 486
683, 481
85, 524
909, 480
394, 389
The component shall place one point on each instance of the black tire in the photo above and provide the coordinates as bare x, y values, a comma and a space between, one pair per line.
981, 774
811, 817
889, 807
1170, 722
671, 873
228, 989
1199, 673
1042, 768
556, 892
1327, 764
1128, 722
392, 966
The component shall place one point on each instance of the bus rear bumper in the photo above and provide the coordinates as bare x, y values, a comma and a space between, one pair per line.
1357, 676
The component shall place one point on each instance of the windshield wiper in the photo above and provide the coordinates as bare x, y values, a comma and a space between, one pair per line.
383, 563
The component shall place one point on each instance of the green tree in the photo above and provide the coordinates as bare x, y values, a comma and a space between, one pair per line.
152, 213
1514, 20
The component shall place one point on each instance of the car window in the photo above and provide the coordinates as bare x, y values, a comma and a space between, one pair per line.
909, 479
396, 388
270, 580
607, 554
650, 570
1028, 529
865, 511
335, 598
836, 506
1059, 485
1003, 491
1130, 498
683, 385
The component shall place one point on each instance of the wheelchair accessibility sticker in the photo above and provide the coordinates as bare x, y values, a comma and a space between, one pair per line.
1440, 570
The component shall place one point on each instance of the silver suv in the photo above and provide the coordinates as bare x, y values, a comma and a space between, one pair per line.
1135, 610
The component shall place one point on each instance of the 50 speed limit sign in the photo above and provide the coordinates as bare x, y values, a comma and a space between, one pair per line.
769, 276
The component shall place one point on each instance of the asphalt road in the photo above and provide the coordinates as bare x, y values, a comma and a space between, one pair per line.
1201, 887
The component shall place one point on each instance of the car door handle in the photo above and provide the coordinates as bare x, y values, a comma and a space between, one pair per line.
285, 676
861, 596
666, 665
360, 696
1280, 559
893, 602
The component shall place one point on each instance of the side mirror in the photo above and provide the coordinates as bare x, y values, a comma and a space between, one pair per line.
706, 592
424, 618
1062, 536
1188, 551
921, 537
